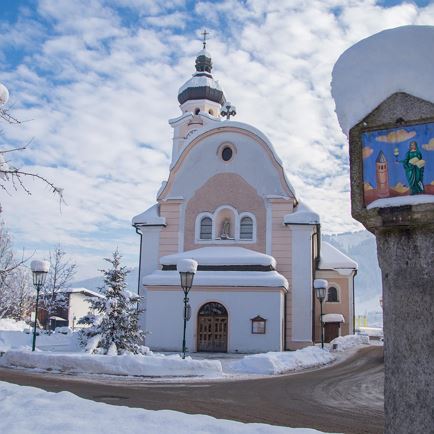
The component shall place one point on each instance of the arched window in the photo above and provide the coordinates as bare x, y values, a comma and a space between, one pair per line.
246, 228
332, 295
206, 229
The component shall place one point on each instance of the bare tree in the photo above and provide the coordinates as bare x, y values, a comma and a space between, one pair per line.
11, 177
9, 270
54, 296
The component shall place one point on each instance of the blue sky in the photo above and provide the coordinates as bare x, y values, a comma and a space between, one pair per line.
98, 80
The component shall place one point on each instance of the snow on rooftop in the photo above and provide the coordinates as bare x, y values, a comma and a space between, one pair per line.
394, 60
332, 259
333, 317
200, 81
219, 278
302, 215
221, 256
82, 291
149, 217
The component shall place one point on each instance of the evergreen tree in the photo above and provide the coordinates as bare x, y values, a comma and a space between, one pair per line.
114, 323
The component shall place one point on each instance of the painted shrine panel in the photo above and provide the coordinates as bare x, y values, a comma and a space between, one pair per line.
398, 162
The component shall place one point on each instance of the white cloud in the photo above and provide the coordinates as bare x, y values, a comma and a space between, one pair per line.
100, 89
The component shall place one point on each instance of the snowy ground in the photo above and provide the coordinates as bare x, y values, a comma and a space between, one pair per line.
62, 354
29, 410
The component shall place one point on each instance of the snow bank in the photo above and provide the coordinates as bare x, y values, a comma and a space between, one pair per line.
280, 362
155, 365
350, 341
56, 341
395, 60
24, 408
12, 325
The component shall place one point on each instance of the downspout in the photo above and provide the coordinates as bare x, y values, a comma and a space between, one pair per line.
140, 260
354, 303
315, 265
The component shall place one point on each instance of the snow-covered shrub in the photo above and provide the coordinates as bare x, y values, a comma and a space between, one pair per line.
114, 323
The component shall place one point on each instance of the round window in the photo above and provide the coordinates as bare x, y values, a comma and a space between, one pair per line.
227, 153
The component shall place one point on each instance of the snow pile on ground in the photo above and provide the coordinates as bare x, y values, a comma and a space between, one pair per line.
12, 325
24, 408
55, 341
350, 341
371, 70
273, 363
155, 365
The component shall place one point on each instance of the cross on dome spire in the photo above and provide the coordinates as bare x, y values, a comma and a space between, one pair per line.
204, 34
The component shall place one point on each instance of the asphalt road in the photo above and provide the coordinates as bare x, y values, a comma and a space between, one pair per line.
344, 398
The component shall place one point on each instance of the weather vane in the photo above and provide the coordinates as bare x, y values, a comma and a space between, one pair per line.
205, 34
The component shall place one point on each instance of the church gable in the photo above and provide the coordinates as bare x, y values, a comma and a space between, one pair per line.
225, 210
251, 156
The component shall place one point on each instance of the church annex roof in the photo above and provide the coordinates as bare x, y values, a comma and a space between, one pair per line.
333, 259
223, 255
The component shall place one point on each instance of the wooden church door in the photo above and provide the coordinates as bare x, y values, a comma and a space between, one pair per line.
212, 328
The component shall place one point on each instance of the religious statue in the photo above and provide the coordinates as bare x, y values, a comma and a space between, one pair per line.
414, 168
226, 230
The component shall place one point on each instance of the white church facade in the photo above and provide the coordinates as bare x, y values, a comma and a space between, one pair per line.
228, 204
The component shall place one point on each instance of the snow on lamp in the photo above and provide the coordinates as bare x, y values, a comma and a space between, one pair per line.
4, 94
187, 269
40, 270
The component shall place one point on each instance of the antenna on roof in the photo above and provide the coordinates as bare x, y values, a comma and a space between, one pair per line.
205, 34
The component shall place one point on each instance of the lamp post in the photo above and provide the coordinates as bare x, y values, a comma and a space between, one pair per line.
320, 286
39, 270
187, 269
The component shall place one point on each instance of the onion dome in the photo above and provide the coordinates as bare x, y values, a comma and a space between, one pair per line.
202, 85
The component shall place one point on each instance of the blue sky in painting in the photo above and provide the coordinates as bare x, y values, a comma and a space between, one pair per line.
97, 81
424, 134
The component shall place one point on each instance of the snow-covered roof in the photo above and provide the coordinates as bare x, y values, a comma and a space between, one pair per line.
200, 81
221, 256
333, 317
219, 278
302, 215
394, 60
82, 291
333, 259
150, 217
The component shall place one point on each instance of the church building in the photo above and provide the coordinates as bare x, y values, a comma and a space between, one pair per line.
228, 204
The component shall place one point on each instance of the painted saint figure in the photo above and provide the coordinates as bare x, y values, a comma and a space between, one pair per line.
414, 167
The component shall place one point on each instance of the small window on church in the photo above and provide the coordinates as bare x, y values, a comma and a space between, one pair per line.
206, 229
211, 112
246, 228
227, 153
332, 295
196, 111
258, 325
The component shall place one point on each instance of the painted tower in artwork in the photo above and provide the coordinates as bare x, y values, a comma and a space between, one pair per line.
382, 175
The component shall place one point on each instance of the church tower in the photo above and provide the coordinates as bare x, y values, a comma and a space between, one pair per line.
200, 99
382, 175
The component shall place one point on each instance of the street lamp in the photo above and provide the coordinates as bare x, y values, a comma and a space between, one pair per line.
39, 270
320, 286
187, 269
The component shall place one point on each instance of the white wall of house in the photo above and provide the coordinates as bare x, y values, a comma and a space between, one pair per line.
165, 318
78, 307
150, 248
302, 283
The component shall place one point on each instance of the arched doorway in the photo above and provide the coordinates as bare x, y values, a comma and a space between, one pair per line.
212, 328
